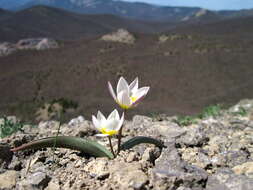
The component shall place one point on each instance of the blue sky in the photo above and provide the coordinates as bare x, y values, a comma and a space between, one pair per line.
209, 4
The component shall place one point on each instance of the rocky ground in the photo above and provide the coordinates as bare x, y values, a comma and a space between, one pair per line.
215, 153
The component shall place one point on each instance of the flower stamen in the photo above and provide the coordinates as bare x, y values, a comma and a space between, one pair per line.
133, 98
107, 132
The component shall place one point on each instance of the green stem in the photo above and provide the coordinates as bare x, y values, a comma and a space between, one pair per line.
120, 134
110, 141
57, 134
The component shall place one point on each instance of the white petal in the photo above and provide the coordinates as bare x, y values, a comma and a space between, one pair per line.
96, 122
124, 99
113, 115
117, 115
101, 118
122, 85
111, 124
134, 85
120, 122
141, 92
111, 91
101, 135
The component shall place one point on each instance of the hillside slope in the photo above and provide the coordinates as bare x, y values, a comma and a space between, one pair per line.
45, 21
186, 72
4, 14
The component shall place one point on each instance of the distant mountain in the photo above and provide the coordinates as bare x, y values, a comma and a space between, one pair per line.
228, 28
237, 26
40, 21
203, 16
233, 14
135, 10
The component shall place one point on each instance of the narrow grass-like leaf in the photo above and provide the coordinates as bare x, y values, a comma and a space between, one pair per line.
75, 143
139, 140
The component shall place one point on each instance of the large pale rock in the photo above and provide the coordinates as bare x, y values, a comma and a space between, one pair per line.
144, 126
37, 43
7, 48
169, 129
30, 43
46, 43
121, 35
8, 179
170, 170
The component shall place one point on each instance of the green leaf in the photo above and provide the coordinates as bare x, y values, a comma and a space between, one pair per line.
139, 140
75, 143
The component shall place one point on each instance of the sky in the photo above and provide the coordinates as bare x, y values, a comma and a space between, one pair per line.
208, 4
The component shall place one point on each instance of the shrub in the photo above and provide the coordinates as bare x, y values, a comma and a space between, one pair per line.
186, 120
8, 127
213, 110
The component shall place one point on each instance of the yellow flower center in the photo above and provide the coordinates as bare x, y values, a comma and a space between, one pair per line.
106, 132
124, 106
133, 98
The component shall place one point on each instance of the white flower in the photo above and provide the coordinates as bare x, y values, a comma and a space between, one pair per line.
109, 126
128, 95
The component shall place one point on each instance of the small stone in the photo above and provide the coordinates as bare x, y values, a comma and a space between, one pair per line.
184, 188
76, 121
38, 179
151, 154
128, 175
194, 136
132, 156
225, 179
245, 168
53, 185
8, 179
15, 164
78, 164
235, 158
5, 154
98, 168
195, 157
13, 119
73, 157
